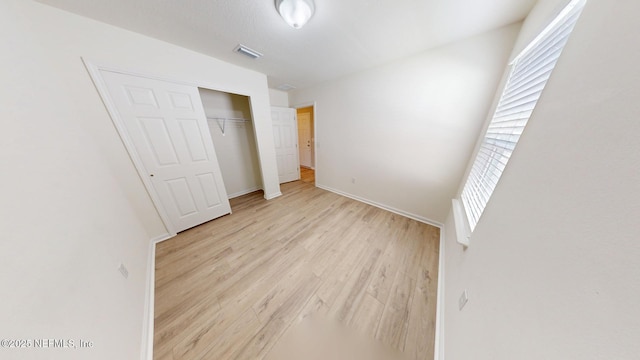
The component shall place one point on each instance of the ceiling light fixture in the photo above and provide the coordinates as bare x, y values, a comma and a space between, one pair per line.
296, 13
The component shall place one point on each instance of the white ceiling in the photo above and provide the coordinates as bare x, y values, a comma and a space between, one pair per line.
343, 37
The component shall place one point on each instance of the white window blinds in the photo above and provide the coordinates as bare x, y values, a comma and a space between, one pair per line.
527, 79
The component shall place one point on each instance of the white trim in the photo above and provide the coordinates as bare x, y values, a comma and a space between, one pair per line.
140, 73
161, 238
149, 298
438, 353
272, 196
304, 105
146, 350
244, 192
463, 232
383, 206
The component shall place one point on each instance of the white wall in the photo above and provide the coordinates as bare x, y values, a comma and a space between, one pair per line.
73, 206
404, 131
279, 98
236, 148
552, 270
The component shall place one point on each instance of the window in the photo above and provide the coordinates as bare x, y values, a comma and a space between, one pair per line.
529, 74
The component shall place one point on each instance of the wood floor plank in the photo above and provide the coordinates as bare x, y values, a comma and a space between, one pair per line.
395, 318
415, 249
260, 344
339, 246
340, 268
420, 342
202, 338
288, 282
233, 287
315, 307
232, 341
385, 273
191, 283
354, 289
367, 317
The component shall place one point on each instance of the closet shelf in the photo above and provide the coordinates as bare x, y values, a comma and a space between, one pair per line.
224, 121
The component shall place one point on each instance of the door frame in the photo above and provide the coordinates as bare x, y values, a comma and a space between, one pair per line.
313, 104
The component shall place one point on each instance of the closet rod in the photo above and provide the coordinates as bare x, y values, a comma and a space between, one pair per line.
224, 121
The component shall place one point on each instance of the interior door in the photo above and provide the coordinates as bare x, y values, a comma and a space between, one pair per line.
285, 136
304, 139
168, 128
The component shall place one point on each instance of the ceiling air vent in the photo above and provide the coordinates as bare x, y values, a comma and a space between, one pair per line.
241, 49
286, 87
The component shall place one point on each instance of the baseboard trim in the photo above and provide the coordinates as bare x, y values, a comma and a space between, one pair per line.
161, 238
149, 298
147, 328
243, 192
383, 206
272, 196
438, 353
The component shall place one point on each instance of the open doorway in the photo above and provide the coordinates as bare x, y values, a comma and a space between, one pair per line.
306, 143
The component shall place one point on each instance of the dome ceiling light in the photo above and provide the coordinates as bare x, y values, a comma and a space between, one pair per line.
296, 13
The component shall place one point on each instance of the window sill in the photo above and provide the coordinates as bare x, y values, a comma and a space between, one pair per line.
459, 218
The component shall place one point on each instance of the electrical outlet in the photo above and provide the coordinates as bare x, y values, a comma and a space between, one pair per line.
123, 270
464, 298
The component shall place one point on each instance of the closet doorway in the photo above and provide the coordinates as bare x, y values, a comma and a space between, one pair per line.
231, 128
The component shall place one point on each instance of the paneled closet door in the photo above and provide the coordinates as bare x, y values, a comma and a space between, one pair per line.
168, 128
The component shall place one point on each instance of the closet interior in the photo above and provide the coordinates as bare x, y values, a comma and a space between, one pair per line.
231, 127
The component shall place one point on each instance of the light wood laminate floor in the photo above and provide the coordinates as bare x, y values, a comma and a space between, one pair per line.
232, 287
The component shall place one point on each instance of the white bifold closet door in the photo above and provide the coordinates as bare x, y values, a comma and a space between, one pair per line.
168, 128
